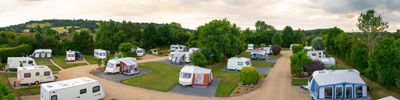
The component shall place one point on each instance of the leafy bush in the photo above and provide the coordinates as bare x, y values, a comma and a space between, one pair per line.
318, 44
5, 94
314, 65
276, 49
298, 61
198, 59
125, 48
15, 51
12, 69
297, 48
249, 75
335, 67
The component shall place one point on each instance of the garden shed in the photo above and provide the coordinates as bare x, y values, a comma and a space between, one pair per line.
195, 76
42, 54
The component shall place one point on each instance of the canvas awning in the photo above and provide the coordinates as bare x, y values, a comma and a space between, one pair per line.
42, 50
128, 62
258, 52
332, 79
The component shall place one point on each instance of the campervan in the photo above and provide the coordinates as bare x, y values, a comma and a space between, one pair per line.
140, 52
337, 84
127, 66
83, 88
195, 76
34, 74
237, 64
258, 55
14, 62
309, 48
101, 54
178, 48
291, 45
42, 54
250, 47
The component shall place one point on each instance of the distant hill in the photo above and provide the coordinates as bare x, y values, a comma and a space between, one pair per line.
309, 32
61, 25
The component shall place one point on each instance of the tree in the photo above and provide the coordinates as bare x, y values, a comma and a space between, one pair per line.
125, 48
82, 42
277, 39
150, 36
318, 44
287, 36
299, 36
198, 59
396, 34
332, 33
38, 29
370, 25
98, 62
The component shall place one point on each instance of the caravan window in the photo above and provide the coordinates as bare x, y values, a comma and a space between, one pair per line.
24, 61
186, 75
349, 92
47, 73
110, 65
358, 91
27, 75
96, 89
339, 92
54, 97
83, 91
30, 62
37, 73
328, 92
247, 63
314, 54
102, 54
240, 63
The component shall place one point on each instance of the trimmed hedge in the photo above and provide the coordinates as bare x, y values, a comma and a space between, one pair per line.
17, 51
297, 48
249, 75
276, 49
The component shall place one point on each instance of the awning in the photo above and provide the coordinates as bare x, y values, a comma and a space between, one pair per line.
128, 62
332, 79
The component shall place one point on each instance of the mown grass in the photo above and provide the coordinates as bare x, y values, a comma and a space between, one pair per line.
163, 77
47, 63
60, 61
229, 80
262, 64
246, 54
297, 82
18, 92
90, 59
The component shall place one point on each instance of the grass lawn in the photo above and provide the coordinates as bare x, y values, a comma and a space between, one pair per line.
163, 77
18, 92
246, 54
285, 49
47, 63
262, 64
60, 61
90, 59
297, 82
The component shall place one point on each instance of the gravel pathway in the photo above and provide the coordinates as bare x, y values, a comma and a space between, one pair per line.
117, 77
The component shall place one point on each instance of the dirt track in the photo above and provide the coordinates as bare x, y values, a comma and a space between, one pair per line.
277, 86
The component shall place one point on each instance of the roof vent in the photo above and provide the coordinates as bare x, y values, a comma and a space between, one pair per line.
350, 70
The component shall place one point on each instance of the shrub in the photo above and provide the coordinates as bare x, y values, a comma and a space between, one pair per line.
335, 67
314, 65
246, 88
198, 59
297, 48
237, 91
5, 94
276, 49
15, 51
298, 61
249, 75
318, 44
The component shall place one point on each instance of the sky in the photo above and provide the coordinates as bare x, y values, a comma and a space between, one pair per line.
304, 14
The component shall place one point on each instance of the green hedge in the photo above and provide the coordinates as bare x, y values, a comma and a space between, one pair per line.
297, 48
249, 75
17, 51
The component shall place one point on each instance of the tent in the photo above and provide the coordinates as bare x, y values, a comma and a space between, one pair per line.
128, 66
195, 76
42, 54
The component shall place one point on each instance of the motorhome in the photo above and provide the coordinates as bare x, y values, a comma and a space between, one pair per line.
34, 74
100, 53
337, 84
250, 47
178, 48
237, 64
291, 45
14, 62
179, 57
258, 55
140, 52
42, 54
195, 76
127, 66
83, 88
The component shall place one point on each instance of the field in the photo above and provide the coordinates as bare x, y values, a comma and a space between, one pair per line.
90, 59
60, 61
34, 25
262, 64
47, 63
163, 77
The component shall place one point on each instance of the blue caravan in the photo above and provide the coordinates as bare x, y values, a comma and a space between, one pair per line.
337, 84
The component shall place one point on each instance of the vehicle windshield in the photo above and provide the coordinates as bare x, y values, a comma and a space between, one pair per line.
186, 75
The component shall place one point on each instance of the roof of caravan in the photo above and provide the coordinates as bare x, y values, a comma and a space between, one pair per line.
258, 52
9, 58
128, 62
67, 83
332, 77
179, 54
388, 98
33, 67
237, 58
188, 69
195, 69
42, 50
202, 70
99, 50
70, 52
251, 44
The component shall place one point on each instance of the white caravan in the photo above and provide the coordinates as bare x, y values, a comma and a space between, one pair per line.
309, 48
337, 85
178, 48
100, 53
114, 65
250, 47
191, 50
237, 64
319, 55
293, 45
70, 56
140, 52
34, 74
83, 88
14, 62
267, 50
